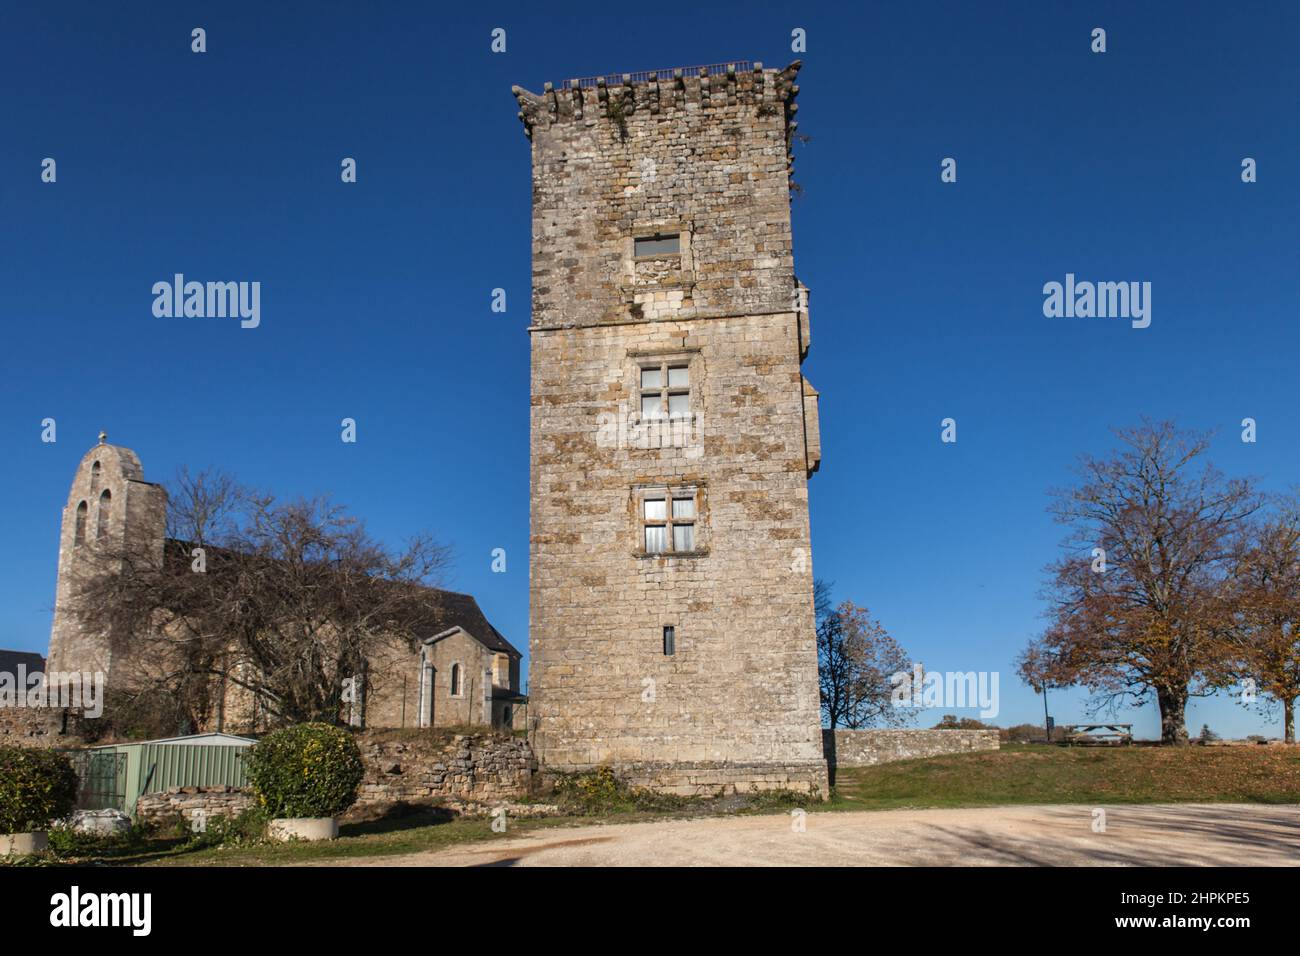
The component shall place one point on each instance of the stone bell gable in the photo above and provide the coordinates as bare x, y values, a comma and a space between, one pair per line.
111, 512
673, 434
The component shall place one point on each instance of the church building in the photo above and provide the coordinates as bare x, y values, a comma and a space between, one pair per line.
460, 671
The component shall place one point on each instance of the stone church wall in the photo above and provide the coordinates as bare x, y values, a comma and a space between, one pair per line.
40, 727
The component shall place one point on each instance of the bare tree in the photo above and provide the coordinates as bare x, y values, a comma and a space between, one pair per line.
1138, 605
856, 657
283, 600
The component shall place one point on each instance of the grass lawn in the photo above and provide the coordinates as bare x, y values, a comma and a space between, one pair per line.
1017, 774
1029, 773
412, 834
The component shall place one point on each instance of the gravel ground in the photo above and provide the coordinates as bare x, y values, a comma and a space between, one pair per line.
1176, 835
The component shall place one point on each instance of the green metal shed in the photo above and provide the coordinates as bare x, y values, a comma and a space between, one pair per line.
199, 760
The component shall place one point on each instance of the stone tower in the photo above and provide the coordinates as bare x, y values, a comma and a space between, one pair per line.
111, 512
672, 633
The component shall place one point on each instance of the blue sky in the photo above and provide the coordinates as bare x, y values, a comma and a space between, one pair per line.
927, 298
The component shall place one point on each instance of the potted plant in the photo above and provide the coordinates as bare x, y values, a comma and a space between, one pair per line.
36, 786
304, 777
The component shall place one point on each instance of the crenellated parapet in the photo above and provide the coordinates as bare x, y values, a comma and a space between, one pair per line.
619, 97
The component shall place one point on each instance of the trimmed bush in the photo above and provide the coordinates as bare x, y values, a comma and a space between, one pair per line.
36, 787
308, 770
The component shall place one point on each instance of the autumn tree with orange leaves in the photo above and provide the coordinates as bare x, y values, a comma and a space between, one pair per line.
1265, 597
1140, 601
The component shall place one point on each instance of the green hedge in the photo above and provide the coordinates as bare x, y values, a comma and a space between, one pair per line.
308, 770
36, 787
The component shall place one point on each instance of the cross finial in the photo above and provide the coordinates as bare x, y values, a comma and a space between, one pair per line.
103, 437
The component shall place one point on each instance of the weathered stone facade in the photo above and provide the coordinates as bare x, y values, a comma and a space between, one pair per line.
865, 748
668, 330
457, 679
421, 767
40, 727
111, 512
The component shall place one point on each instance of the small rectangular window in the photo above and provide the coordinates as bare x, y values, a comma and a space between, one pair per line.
670, 640
658, 245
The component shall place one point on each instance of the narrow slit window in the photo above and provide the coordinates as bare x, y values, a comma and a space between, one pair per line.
657, 245
104, 513
670, 640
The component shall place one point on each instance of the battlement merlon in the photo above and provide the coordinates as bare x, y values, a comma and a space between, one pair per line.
663, 91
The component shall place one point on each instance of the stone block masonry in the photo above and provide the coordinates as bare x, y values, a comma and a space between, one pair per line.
423, 766
865, 748
189, 802
41, 727
663, 268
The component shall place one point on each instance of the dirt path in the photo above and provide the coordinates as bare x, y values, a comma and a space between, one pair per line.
1200, 834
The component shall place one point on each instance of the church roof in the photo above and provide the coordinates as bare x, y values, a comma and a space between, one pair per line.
10, 660
461, 610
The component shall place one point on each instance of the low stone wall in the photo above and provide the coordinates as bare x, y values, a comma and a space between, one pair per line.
419, 766
400, 767
864, 748
190, 801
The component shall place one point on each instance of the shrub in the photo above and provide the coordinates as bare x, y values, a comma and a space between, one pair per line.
245, 829
600, 791
36, 786
1027, 734
308, 770
951, 722
67, 843
761, 800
